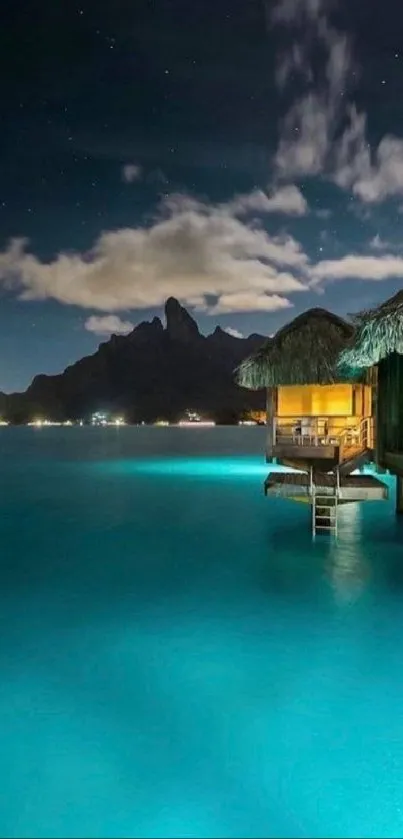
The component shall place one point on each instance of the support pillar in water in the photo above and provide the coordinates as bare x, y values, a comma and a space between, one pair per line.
399, 495
270, 423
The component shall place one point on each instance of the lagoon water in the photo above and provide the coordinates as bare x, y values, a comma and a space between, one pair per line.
178, 658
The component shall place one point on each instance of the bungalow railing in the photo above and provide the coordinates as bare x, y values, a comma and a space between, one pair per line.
362, 439
319, 431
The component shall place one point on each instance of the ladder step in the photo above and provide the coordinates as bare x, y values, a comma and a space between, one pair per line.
327, 503
324, 508
325, 514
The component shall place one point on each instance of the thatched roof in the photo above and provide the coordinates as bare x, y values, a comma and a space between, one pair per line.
379, 332
305, 351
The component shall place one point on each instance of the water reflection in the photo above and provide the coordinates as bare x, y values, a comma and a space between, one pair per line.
347, 566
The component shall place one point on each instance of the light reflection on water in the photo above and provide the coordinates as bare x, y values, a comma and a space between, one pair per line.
215, 469
179, 659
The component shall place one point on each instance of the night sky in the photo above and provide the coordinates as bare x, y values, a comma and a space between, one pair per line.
244, 156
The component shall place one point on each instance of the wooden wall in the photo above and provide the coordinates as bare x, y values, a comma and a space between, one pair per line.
390, 406
318, 401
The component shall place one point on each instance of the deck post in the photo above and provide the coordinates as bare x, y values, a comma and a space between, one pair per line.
399, 495
270, 423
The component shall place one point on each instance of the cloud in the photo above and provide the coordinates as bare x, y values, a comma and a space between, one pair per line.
372, 175
376, 268
310, 127
204, 254
287, 200
249, 302
305, 139
323, 213
323, 133
108, 325
292, 62
235, 333
384, 177
378, 244
351, 158
131, 172
291, 11
193, 250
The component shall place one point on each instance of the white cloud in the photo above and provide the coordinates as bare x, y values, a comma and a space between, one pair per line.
287, 200
305, 138
323, 213
353, 167
309, 129
378, 244
351, 158
376, 268
292, 62
371, 176
193, 251
249, 302
339, 60
108, 325
131, 172
384, 177
291, 11
323, 133
235, 333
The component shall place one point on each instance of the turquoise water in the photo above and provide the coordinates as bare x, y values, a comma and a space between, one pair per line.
177, 657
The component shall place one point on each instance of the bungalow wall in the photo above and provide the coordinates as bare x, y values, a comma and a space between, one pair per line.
390, 407
341, 404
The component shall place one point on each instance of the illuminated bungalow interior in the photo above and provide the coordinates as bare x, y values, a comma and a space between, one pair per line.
315, 412
378, 346
319, 415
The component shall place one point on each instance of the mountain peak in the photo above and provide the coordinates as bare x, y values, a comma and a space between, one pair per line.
180, 325
146, 330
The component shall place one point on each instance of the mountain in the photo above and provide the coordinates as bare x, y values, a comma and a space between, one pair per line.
154, 372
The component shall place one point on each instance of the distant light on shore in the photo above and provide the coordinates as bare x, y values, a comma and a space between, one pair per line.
45, 423
196, 423
100, 420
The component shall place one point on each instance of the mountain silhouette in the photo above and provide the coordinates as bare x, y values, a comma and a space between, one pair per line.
152, 373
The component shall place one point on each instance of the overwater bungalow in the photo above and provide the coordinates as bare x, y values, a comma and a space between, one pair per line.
319, 415
378, 346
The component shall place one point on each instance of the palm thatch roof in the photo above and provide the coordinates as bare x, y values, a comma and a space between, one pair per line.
379, 332
305, 351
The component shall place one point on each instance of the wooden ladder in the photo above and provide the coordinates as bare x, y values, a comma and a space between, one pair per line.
324, 508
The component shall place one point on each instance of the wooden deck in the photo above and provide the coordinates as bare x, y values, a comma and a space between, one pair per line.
352, 487
321, 456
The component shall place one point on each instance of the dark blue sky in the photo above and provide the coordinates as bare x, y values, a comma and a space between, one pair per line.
246, 157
